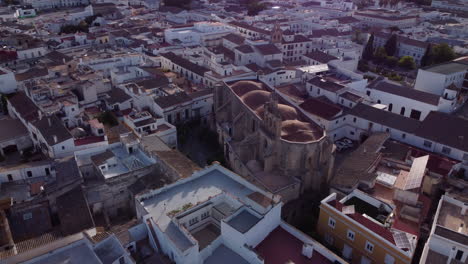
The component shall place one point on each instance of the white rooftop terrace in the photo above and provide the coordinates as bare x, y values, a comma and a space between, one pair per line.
125, 162
200, 187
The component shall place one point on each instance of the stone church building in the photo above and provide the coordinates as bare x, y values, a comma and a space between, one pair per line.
270, 142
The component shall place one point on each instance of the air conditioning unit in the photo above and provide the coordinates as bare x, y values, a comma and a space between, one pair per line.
307, 250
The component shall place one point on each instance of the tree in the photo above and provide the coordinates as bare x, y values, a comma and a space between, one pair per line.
380, 54
443, 53
368, 52
391, 45
428, 58
254, 7
391, 61
184, 4
108, 118
407, 62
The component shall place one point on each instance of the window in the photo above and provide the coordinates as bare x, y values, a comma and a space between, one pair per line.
369, 247
47, 171
193, 221
390, 107
29, 173
446, 150
415, 114
403, 135
427, 143
368, 93
350, 235
465, 156
27, 216
205, 215
103, 167
459, 255
354, 120
331, 222
63, 147
402, 111
10, 177
387, 130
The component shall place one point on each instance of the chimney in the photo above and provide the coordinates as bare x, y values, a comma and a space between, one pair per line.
464, 208
307, 250
55, 139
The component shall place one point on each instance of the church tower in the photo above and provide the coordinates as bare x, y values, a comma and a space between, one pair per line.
276, 34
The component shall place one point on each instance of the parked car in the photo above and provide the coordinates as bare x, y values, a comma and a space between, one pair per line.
347, 141
341, 145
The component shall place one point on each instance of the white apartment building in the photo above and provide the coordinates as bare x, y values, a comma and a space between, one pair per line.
448, 240
201, 33
438, 78
381, 19
7, 81
76, 248
143, 123
216, 216
49, 4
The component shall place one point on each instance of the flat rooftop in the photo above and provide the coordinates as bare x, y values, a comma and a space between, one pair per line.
206, 235
451, 218
225, 255
447, 68
79, 254
243, 221
362, 207
194, 190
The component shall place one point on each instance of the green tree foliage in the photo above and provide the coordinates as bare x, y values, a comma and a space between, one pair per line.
4, 104
443, 53
12, 2
254, 7
407, 62
391, 61
391, 45
380, 55
368, 52
108, 118
428, 57
185, 4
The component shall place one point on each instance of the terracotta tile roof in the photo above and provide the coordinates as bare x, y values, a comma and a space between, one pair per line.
320, 56
267, 49
407, 92
73, 212
324, 84
245, 48
186, 64
24, 106
281, 247
445, 129
234, 38
172, 100
321, 108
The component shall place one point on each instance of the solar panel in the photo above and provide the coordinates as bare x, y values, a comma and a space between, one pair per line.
416, 174
348, 209
401, 240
